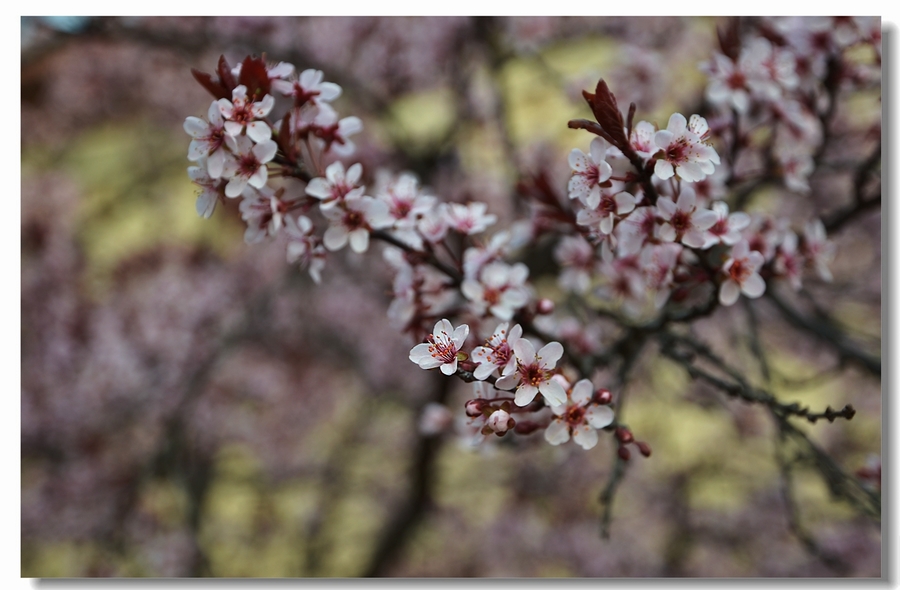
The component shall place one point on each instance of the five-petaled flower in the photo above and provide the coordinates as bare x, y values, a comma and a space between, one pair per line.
579, 417
442, 348
742, 274
533, 373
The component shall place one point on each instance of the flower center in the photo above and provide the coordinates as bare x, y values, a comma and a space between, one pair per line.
441, 349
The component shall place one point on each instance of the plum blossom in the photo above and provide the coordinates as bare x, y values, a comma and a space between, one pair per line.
331, 133
685, 151
213, 190
727, 228
641, 139
684, 221
533, 373
248, 164
442, 347
500, 422
469, 219
576, 257
304, 246
742, 275
789, 261
606, 209
208, 140
635, 230
588, 171
500, 289
353, 222
240, 114
497, 352
579, 417
337, 185
309, 88
818, 250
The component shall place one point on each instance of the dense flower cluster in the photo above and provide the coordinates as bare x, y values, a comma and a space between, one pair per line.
651, 224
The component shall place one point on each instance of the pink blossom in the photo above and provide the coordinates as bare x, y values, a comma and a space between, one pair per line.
208, 140
685, 150
818, 250
337, 185
588, 171
308, 89
248, 164
579, 417
497, 352
240, 114
500, 289
442, 347
469, 219
684, 222
727, 228
742, 275
353, 221
533, 373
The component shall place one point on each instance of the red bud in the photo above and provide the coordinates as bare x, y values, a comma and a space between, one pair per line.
624, 453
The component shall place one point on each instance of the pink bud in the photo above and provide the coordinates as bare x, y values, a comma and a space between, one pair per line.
624, 435
602, 396
474, 407
644, 448
500, 421
545, 306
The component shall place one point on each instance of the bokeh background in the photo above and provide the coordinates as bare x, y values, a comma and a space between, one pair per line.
194, 406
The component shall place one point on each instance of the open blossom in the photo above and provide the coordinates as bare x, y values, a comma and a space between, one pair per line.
789, 261
635, 230
240, 114
333, 134
607, 208
588, 171
641, 139
497, 352
308, 88
442, 347
500, 289
353, 222
727, 228
469, 219
208, 140
304, 246
579, 417
247, 165
576, 257
684, 221
337, 185
685, 151
818, 250
263, 210
742, 275
533, 373
213, 190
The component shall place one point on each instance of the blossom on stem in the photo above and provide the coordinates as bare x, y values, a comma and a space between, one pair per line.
742, 274
240, 114
213, 190
588, 171
304, 246
442, 348
685, 222
309, 88
497, 352
579, 417
469, 219
337, 185
208, 140
533, 373
500, 289
247, 165
727, 228
818, 250
685, 151
353, 221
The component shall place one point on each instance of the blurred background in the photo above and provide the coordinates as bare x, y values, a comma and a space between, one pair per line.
194, 406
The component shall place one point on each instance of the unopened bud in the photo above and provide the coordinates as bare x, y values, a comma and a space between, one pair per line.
602, 396
643, 447
624, 453
624, 435
474, 407
545, 306
500, 421
526, 427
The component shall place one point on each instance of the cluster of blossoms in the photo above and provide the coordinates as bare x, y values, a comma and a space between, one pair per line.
650, 221
241, 153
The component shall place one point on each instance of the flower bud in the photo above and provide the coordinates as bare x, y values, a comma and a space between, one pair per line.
624, 453
602, 396
500, 422
474, 408
624, 435
545, 306
644, 448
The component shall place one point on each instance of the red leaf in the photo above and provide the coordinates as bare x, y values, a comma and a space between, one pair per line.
214, 88
255, 77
